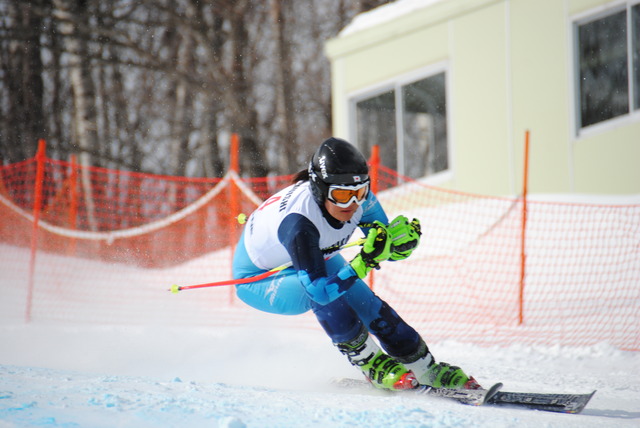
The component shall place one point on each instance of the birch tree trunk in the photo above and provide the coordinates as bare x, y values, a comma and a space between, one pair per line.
181, 123
243, 116
284, 88
69, 13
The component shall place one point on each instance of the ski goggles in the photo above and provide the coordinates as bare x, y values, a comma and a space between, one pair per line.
343, 195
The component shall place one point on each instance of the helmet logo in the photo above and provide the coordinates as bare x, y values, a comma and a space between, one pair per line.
356, 179
323, 166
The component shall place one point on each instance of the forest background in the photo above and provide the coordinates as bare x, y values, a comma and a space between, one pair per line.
156, 86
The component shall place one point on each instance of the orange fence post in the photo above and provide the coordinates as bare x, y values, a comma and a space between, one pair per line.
234, 202
37, 207
3, 187
73, 203
234, 154
374, 164
523, 254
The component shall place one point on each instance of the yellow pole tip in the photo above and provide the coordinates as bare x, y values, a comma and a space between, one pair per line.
175, 289
242, 218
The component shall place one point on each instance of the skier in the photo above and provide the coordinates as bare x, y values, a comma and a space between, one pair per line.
306, 224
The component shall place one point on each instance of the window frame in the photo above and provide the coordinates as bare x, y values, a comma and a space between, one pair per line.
396, 84
575, 22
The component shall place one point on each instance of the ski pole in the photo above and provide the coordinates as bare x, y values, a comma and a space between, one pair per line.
175, 289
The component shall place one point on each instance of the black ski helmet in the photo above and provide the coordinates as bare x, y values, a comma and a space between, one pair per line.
335, 162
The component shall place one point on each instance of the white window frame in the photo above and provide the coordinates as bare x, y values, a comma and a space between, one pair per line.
583, 18
396, 83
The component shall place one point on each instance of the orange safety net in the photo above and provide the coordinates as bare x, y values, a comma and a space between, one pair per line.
128, 217
107, 240
581, 272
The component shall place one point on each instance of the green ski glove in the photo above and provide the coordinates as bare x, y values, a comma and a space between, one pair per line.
376, 249
404, 236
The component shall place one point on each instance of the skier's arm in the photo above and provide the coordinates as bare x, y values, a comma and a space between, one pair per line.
301, 238
372, 211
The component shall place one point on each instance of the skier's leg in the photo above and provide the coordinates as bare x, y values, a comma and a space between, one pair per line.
396, 336
348, 333
401, 340
352, 339
280, 293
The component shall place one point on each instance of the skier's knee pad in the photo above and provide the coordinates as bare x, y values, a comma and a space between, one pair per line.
395, 335
338, 320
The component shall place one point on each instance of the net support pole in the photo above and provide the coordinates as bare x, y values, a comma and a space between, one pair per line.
523, 241
37, 207
374, 163
234, 202
73, 202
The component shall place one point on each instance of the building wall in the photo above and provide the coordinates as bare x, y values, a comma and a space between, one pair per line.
480, 108
540, 91
510, 68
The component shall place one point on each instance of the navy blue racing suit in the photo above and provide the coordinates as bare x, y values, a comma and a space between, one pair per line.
292, 227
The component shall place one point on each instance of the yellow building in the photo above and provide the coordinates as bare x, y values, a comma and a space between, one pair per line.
447, 89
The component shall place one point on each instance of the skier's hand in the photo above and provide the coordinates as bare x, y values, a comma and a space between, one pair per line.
376, 249
404, 237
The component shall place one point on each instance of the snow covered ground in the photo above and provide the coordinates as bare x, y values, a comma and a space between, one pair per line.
262, 376
247, 369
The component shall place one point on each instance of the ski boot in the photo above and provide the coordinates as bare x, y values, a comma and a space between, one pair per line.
443, 375
383, 371
437, 375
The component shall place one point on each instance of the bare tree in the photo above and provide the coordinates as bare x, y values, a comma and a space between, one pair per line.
22, 68
151, 85
181, 128
242, 114
70, 13
209, 34
285, 124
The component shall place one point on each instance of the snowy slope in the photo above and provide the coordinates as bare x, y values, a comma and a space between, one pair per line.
71, 376
152, 368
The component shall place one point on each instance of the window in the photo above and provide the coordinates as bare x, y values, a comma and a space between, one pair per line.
376, 125
608, 65
424, 119
413, 139
635, 43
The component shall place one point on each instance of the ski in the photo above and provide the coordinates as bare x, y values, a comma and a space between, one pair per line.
475, 397
562, 403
